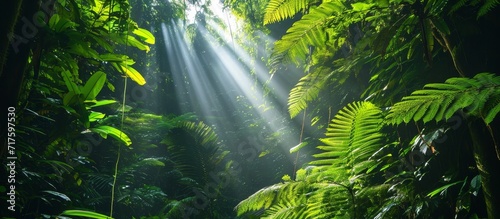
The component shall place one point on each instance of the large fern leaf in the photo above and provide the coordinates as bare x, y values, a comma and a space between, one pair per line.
307, 90
278, 200
278, 10
309, 31
352, 137
327, 190
438, 101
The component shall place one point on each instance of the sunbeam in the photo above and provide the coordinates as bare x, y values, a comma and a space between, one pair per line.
225, 70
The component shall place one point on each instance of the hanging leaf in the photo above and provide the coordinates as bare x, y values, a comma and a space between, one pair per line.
133, 74
70, 98
94, 85
145, 35
70, 82
132, 41
105, 130
94, 116
101, 103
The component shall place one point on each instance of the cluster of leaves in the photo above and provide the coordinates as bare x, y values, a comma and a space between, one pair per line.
74, 60
334, 40
354, 175
368, 169
67, 160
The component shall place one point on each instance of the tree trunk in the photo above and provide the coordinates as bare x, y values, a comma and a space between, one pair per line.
487, 164
18, 34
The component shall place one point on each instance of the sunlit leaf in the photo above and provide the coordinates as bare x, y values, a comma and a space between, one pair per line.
442, 189
102, 103
133, 74
145, 35
87, 214
298, 147
94, 85
105, 130
94, 116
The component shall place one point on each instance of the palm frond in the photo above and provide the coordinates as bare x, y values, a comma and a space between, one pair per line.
440, 101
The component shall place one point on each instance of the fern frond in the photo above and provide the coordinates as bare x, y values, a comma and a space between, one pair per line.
279, 199
330, 201
201, 132
309, 31
487, 7
352, 136
307, 90
278, 10
440, 101
484, 9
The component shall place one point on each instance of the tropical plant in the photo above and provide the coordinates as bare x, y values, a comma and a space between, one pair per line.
338, 183
357, 175
477, 97
387, 49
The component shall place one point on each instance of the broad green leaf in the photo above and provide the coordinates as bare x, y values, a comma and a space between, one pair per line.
70, 98
132, 41
94, 85
70, 82
145, 35
105, 130
360, 6
133, 74
83, 50
475, 185
54, 19
102, 103
87, 214
94, 116
111, 57
59, 24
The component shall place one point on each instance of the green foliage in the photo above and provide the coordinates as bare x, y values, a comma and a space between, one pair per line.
352, 138
331, 186
105, 130
278, 10
479, 96
309, 31
307, 90
484, 7
86, 214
